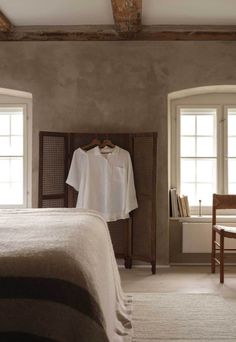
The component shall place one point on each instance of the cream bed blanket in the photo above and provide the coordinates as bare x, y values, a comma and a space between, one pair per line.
59, 279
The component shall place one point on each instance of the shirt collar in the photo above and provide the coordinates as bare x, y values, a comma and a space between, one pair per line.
97, 151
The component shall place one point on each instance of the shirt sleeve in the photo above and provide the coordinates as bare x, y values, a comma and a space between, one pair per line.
75, 172
131, 199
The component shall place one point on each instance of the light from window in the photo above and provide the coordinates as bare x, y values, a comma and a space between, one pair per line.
11, 156
231, 150
198, 154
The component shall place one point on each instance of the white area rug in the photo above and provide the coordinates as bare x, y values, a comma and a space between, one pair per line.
183, 317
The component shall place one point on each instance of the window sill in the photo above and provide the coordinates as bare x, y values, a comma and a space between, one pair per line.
205, 218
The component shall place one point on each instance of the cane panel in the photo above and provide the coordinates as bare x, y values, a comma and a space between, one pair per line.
53, 170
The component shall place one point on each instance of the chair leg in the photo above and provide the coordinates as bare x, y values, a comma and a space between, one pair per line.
213, 252
222, 256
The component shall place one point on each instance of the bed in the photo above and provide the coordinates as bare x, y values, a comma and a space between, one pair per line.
59, 279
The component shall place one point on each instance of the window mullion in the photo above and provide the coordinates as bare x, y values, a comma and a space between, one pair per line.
196, 156
224, 130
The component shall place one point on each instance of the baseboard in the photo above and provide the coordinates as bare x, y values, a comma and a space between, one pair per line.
197, 264
144, 266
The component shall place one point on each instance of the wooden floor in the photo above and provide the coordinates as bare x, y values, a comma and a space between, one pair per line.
179, 279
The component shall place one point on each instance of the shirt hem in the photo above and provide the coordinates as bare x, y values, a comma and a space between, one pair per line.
115, 218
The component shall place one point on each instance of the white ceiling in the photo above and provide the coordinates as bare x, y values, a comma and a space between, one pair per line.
189, 12
99, 12
58, 12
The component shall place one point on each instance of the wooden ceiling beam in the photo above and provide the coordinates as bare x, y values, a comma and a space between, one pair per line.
108, 33
127, 16
187, 33
5, 24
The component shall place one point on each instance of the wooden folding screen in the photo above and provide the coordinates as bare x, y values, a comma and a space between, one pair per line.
134, 238
53, 169
144, 218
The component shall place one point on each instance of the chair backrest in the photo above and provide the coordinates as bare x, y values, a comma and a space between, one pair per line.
222, 202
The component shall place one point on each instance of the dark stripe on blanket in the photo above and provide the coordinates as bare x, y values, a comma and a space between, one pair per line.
54, 290
22, 337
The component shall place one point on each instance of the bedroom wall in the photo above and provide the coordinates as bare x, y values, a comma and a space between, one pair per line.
113, 86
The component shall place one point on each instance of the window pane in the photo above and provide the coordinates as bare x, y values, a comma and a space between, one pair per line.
4, 146
11, 193
4, 170
205, 147
205, 125
231, 124
17, 124
11, 146
16, 170
4, 124
206, 171
198, 192
16, 193
187, 171
11, 181
204, 193
232, 147
16, 147
232, 188
4, 193
187, 124
187, 147
188, 189
232, 170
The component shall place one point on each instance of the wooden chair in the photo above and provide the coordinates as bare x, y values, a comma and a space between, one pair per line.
221, 202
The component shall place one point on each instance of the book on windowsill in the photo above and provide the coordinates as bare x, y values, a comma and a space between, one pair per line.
174, 203
180, 206
183, 203
187, 206
184, 206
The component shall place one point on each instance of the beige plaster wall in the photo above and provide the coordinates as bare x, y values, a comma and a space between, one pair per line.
113, 86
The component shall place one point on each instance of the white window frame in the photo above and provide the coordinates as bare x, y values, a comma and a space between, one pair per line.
221, 148
25, 103
225, 113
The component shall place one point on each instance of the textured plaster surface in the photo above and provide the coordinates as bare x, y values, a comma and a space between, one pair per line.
113, 86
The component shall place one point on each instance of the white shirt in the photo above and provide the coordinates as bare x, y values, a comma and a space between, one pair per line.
105, 182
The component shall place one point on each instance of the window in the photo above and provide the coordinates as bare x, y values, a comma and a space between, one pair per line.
11, 156
198, 154
231, 150
203, 148
15, 165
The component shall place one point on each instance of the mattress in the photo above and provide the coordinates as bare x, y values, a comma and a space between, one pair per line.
59, 279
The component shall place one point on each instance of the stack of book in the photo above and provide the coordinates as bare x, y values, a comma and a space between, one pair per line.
179, 205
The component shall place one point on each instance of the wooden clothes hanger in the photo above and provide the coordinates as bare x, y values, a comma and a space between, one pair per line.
93, 143
107, 143
96, 142
107, 146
